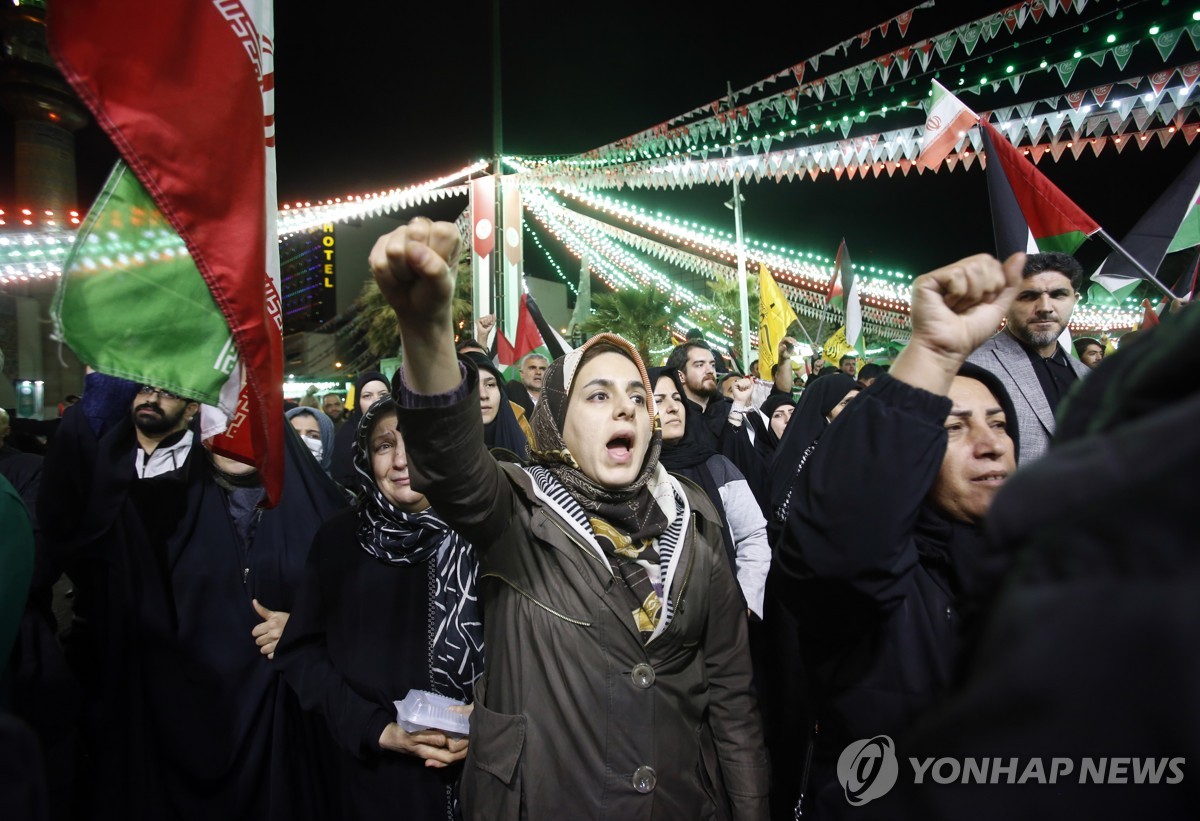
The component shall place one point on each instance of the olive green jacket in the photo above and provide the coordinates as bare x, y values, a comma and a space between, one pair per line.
575, 717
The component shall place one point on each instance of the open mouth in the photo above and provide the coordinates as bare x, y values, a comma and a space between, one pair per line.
620, 448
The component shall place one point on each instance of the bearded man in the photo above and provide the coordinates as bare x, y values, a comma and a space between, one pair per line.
1026, 355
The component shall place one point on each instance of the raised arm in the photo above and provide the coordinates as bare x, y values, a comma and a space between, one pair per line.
856, 502
436, 394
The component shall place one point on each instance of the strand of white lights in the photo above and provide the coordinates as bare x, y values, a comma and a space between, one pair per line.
616, 280
804, 270
553, 263
609, 270
303, 216
622, 257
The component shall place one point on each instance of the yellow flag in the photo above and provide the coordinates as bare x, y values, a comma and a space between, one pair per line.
775, 315
836, 347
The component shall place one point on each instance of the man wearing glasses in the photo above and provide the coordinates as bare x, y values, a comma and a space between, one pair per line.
161, 420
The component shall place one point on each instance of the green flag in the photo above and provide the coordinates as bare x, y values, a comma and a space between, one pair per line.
131, 302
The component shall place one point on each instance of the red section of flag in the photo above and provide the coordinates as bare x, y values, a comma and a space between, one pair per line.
528, 338
1047, 210
511, 196
151, 73
483, 215
839, 264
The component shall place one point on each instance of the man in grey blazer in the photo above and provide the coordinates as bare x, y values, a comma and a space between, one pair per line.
1026, 356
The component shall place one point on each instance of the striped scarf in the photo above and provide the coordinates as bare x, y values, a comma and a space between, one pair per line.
646, 567
398, 537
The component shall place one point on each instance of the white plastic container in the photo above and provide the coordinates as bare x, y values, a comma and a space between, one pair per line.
422, 710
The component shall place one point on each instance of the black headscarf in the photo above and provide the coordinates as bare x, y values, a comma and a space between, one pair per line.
766, 442
503, 431
399, 537
342, 469
693, 449
688, 456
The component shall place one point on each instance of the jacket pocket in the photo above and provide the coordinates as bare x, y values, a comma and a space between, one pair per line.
491, 784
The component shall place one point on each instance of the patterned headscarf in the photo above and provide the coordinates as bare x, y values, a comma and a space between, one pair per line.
631, 508
398, 537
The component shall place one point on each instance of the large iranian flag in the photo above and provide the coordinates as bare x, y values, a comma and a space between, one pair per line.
1029, 213
174, 278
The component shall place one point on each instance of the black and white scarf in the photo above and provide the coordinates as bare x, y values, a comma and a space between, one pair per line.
396, 537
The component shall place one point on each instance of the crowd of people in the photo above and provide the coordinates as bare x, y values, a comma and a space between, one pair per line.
654, 590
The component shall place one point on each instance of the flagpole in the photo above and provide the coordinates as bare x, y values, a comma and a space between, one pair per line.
1146, 275
743, 293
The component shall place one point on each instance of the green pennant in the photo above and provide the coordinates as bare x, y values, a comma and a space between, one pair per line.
1121, 54
1193, 31
970, 37
945, 46
1166, 41
1066, 69
131, 302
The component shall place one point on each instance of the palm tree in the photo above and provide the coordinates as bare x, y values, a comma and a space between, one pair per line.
642, 316
375, 321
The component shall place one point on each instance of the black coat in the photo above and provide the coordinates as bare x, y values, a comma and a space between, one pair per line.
358, 639
870, 571
1089, 648
184, 717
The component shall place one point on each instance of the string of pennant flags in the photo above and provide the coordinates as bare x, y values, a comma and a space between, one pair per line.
719, 117
1080, 124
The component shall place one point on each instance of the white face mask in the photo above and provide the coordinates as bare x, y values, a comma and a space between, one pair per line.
315, 446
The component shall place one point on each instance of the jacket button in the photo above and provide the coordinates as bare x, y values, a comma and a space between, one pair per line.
643, 675
644, 779
949, 613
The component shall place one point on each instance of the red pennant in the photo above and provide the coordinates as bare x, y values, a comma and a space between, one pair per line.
890, 166
1011, 15
883, 27
1075, 98
851, 171
864, 38
1101, 93
837, 172
1098, 144
1036, 152
951, 161
813, 173
1036, 9
902, 21
1189, 73
1159, 80
798, 72
904, 166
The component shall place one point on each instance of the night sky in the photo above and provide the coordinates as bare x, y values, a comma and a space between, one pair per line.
371, 96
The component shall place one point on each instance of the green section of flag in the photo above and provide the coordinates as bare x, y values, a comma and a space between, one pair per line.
1067, 243
1188, 235
1100, 296
131, 303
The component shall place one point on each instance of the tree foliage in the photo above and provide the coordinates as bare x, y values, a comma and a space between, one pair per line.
641, 316
375, 320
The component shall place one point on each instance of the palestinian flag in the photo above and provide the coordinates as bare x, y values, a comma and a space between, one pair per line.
534, 335
1029, 213
843, 293
174, 277
1171, 224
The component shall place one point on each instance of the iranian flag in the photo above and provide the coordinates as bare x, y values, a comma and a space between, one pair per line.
946, 124
174, 277
1029, 213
